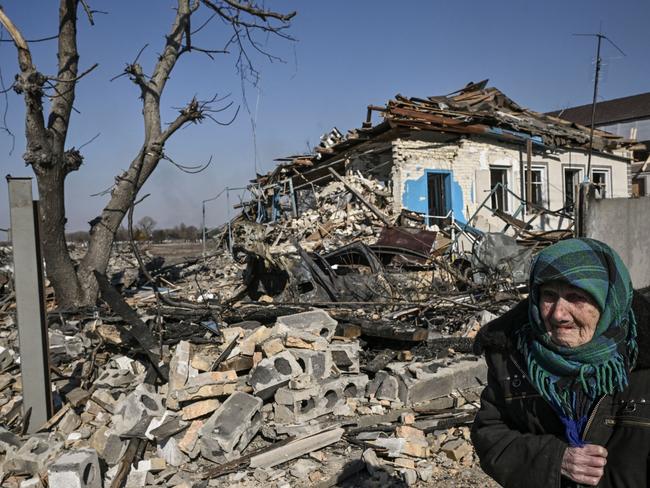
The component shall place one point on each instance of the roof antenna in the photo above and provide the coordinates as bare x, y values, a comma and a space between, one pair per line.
600, 36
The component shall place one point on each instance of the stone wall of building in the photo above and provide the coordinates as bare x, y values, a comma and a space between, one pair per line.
469, 161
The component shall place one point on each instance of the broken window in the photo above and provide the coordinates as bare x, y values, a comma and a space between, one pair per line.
600, 178
571, 181
498, 185
538, 179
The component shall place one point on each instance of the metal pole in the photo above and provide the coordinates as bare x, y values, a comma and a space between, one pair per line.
593, 110
203, 225
529, 184
30, 304
228, 216
294, 208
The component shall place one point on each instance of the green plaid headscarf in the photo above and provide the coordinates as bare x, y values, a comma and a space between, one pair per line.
572, 378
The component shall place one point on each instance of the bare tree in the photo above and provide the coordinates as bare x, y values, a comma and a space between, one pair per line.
146, 224
46, 134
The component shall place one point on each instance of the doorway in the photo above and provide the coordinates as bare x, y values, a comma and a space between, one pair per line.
439, 196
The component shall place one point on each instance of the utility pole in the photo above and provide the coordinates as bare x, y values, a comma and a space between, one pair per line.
600, 36
203, 216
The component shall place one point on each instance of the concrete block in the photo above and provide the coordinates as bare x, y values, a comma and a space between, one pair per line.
456, 449
33, 456
317, 322
9, 442
102, 401
166, 426
346, 356
425, 381
59, 343
108, 445
388, 389
76, 469
208, 385
115, 378
137, 410
352, 385
77, 396
272, 347
273, 372
69, 423
373, 385
171, 452
7, 358
298, 406
296, 449
137, 478
409, 476
248, 344
180, 370
32, 483
317, 364
231, 426
153, 465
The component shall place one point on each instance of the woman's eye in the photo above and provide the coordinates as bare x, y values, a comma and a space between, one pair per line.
575, 297
548, 295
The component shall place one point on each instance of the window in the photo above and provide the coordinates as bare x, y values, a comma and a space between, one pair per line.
498, 185
638, 187
600, 179
571, 181
538, 187
438, 187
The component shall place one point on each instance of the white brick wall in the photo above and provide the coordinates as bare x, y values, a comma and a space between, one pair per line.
470, 161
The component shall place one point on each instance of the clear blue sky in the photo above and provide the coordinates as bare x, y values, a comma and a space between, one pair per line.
349, 54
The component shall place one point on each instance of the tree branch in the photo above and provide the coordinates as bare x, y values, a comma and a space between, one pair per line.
262, 14
24, 55
52, 78
89, 12
191, 113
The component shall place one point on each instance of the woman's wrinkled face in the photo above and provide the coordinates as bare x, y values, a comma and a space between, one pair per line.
569, 314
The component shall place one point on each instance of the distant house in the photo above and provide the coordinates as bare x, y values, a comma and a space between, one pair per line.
465, 155
628, 117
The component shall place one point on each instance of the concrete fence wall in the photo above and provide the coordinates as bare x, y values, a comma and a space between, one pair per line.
623, 223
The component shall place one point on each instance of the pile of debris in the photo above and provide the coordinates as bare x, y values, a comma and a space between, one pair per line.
303, 401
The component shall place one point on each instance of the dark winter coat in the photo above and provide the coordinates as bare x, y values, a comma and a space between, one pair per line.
518, 436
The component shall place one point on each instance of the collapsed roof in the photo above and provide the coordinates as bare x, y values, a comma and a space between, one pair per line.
473, 110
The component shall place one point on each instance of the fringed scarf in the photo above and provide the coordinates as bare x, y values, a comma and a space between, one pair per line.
572, 379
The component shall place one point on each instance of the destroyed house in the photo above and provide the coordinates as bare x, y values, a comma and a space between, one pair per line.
471, 155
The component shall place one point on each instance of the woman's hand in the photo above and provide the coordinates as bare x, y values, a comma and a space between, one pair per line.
584, 464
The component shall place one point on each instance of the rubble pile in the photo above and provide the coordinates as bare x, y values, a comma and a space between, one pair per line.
294, 403
316, 350
332, 217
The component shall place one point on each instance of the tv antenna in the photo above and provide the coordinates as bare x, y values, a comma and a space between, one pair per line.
600, 36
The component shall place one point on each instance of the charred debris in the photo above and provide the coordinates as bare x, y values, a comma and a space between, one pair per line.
326, 335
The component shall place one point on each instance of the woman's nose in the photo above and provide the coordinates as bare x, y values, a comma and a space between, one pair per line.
561, 311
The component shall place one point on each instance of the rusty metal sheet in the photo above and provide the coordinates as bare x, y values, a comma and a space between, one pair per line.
411, 239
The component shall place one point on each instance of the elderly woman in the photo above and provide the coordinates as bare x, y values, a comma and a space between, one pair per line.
568, 396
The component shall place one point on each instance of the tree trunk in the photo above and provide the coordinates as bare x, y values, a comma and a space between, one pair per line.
51, 162
60, 268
